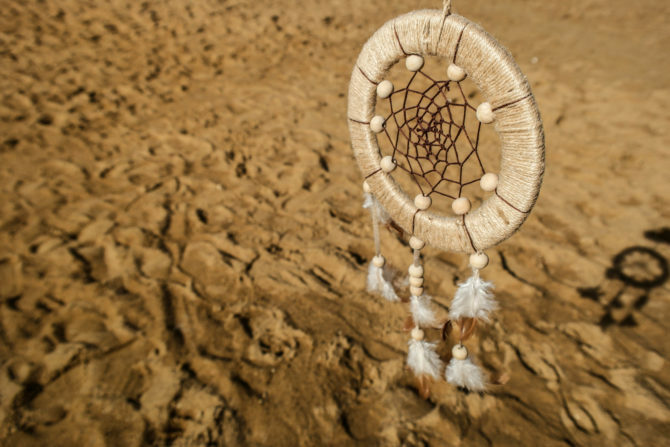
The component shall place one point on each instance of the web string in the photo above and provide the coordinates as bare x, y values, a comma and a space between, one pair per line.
428, 135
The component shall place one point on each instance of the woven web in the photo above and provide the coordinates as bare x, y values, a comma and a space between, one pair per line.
427, 129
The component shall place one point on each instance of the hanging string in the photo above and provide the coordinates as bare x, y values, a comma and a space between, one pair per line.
417, 257
374, 212
446, 8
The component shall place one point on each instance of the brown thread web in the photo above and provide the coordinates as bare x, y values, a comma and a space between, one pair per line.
429, 136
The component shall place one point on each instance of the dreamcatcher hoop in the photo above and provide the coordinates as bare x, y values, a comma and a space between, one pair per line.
509, 105
516, 120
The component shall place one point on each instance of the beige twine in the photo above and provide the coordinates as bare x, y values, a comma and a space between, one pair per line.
492, 68
446, 8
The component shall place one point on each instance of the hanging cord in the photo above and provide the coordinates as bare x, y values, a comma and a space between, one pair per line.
417, 257
417, 263
374, 212
446, 7
376, 281
446, 12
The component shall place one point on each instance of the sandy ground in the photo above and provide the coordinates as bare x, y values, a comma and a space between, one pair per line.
183, 249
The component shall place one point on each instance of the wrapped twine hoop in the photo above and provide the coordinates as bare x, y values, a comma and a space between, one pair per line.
516, 120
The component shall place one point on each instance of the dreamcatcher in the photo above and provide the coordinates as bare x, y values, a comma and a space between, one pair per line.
431, 136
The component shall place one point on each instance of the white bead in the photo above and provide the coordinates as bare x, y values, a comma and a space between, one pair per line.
455, 73
377, 123
378, 261
414, 62
416, 271
366, 186
416, 291
422, 202
416, 282
387, 164
459, 352
489, 181
479, 260
417, 334
460, 205
485, 113
416, 243
384, 89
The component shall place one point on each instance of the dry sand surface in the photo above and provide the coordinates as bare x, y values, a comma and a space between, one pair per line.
183, 250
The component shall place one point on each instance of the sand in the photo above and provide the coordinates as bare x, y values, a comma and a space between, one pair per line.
183, 249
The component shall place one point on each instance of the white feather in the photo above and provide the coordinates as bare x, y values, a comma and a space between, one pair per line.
422, 314
423, 360
473, 299
368, 200
466, 374
378, 283
371, 203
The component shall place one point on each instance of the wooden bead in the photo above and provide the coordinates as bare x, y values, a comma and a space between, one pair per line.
416, 282
416, 271
422, 202
416, 243
366, 187
414, 62
485, 113
377, 123
384, 89
455, 73
416, 291
459, 352
489, 181
378, 261
479, 260
387, 164
417, 334
461, 205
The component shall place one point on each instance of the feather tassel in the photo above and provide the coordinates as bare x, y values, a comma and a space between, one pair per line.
379, 283
422, 314
463, 372
423, 360
473, 299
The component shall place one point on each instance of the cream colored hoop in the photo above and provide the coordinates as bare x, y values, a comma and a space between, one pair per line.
517, 122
